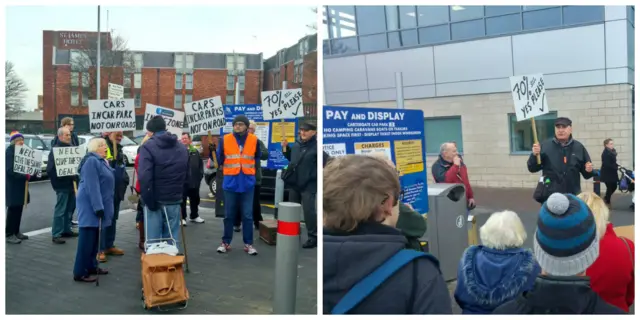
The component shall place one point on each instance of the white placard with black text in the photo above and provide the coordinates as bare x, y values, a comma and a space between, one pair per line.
67, 160
112, 115
115, 91
27, 160
205, 115
173, 118
282, 104
529, 97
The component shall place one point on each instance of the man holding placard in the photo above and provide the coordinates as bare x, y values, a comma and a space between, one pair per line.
62, 181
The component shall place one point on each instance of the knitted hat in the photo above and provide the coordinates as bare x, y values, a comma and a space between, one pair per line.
14, 135
156, 124
566, 241
241, 118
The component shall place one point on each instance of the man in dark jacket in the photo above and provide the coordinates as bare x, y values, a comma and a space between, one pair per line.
564, 253
303, 154
115, 157
65, 195
162, 171
563, 159
67, 122
192, 186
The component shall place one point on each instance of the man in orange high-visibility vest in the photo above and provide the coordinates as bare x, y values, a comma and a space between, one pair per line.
236, 155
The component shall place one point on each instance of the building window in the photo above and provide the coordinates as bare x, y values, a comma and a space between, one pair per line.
582, 14
231, 63
229, 99
127, 93
137, 80
75, 79
370, 19
178, 81
504, 24
372, 43
405, 38
435, 34
178, 62
341, 21
440, 130
138, 62
241, 63
459, 13
344, 45
230, 82
541, 19
303, 48
521, 135
241, 99
79, 60
189, 82
138, 100
500, 10
432, 15
177, 101
188, 98
296, 69
401, 17
241, 82
189, 62
301, 71
75, 98
127, 80
85, 96
467, 30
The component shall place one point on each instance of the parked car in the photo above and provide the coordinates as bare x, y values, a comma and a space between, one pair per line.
130, 150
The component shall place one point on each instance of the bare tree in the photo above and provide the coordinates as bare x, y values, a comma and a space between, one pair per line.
313, 27
15, 90
112, 55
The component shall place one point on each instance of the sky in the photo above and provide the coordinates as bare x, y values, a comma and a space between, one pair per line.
245, 29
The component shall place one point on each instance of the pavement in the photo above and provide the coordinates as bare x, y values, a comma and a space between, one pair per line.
39, 277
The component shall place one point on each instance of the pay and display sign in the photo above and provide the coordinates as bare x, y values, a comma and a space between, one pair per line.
27, 160
282, 104
68, 159
173, 118
529, 97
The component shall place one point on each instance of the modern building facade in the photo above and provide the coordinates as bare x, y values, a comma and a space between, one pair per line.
167, 79
456, 62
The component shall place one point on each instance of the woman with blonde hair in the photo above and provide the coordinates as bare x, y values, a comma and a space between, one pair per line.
498, 270
612, 274
360, 198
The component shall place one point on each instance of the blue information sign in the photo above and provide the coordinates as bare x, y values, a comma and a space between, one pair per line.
397, 133
270, 132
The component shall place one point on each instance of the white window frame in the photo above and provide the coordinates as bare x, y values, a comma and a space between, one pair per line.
126, 81
179, 83
233, 83
178, 61
137, 80
138, 61
241, 82
75, 98
85, 97
189, 64
231, 62
189, 82
188, 98
229, 99
177, 103
241, 63
75, 79
84, 79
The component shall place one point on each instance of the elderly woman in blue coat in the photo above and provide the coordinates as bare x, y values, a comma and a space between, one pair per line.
94, 202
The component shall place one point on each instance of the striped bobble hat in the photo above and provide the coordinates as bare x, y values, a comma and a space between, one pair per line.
566, 241
14, 135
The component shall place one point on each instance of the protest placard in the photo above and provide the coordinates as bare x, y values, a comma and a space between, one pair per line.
67, 160
112, 115
282, 104
27, 160
529, 97
173, 118
115, 91
205, 115
398, 134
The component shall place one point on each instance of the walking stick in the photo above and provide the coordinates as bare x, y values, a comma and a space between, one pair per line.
26, 193
184, 246
98, 260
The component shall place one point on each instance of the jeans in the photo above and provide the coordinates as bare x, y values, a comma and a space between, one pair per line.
109, 233
156, 226
86, 252
257, 210
14, 216
238, 202
62, 213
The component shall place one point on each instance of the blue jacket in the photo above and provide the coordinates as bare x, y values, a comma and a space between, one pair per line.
487, 278
240, 183
162, 170
95, 192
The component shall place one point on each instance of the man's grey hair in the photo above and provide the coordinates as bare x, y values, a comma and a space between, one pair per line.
95, 143
61, 131
444, 146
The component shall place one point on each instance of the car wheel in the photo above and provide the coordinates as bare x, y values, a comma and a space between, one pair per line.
213, 186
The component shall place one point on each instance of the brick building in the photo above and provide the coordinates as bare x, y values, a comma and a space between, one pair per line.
298, 65
167, 79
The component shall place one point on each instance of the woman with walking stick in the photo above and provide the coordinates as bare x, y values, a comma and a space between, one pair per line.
95, 210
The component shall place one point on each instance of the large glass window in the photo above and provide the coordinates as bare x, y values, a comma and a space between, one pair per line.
178, 81
504, 24
582, 14
138, 100
342, 21
137, 80
75, 76
177, 101
344, 45
467, 29
521, 135
440, 130
229, 99
373, 43
459, 13
370, 19
500, 10
405, 38
432, 15
436, 34
241, 82
540, 19
189, 82
231, 82
401, 17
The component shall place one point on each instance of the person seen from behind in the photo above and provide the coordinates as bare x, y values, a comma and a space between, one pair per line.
257, 208
95, 208
612, 275
195, 173
162, 172
360, 198
15, 189
609, 170
449, 168
65, 193
566, 244
498, 270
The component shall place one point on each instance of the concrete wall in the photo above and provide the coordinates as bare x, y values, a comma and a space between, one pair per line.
598, 112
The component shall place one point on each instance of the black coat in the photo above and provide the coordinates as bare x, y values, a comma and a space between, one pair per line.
59, 183
15, 182
196, 170
120, 173
609, 169
307, 164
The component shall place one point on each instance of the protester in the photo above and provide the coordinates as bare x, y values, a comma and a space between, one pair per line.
67, 122
498, 270
116, 161
162, 171
612, 274
360, 199
237, 153
195, 173
563, 159
303, 187
140, 206
65, 193
566, 244
95, 208
257, 208
449, 168
609, 170
14, 192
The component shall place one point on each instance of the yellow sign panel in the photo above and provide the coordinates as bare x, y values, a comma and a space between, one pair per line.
373, 147
409, 156
280, 129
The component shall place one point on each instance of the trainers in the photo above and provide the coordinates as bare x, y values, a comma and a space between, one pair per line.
197, 220
22, 236
250, 250
13, 239
184, 222
113, 251
223, 248
71, 234
58, 240
236, 229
